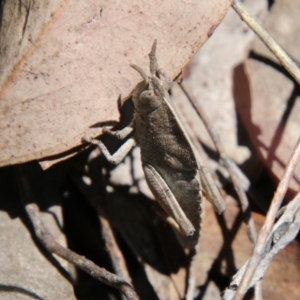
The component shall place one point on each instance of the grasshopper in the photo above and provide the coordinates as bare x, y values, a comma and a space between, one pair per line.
169, 160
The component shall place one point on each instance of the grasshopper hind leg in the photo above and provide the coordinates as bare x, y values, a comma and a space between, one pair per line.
167, 200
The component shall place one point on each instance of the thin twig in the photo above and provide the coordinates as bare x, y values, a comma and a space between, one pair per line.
112, 248
283, 232
210, 188
252, 233
227, 163
258, 291
46, 238
92, 191
269, 222
281, 55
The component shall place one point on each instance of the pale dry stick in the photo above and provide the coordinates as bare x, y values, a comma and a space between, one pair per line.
251, 230
265, 37
269, 222
91, 189
48, 241
227, 163
283, 232
258, 291
92, 192
212, 192
112, 248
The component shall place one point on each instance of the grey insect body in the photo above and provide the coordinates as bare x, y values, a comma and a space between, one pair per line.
168, 158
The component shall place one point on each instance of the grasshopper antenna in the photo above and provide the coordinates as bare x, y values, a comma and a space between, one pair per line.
153, 60
141, 71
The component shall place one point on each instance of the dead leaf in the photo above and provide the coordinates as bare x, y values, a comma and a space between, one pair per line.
27, 270
270, 108
225, 247
209, 78
65, 63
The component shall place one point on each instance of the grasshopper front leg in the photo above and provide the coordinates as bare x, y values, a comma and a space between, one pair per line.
120, 134
118, 156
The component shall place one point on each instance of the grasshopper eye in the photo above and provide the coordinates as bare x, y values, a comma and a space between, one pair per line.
148, 101
147, 96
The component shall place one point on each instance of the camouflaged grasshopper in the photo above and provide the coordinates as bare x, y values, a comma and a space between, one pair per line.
169, 160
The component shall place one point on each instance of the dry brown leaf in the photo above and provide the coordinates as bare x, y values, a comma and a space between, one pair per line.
26, 273
65, 63
209, 78
226, 252
270, 109
158, 251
